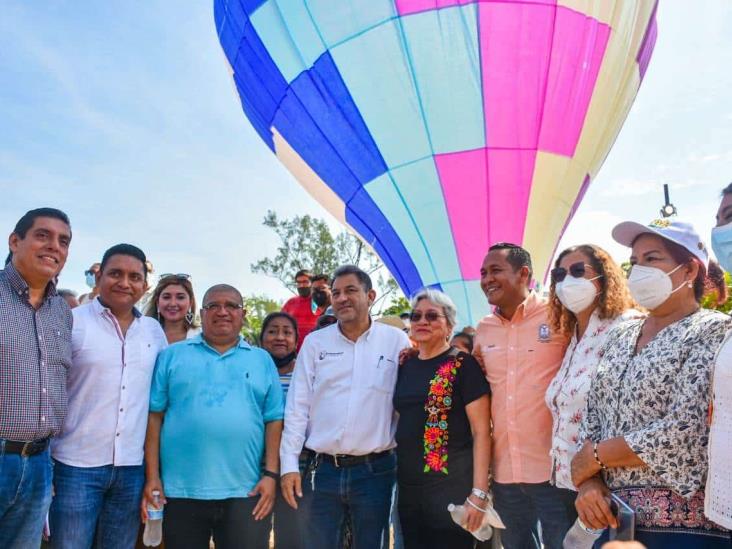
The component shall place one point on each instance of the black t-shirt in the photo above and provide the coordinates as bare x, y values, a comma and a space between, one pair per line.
413, 431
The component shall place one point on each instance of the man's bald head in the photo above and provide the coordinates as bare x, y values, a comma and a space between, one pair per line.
221, 288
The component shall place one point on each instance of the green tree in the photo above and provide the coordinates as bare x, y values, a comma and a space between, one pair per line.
307, 243
710, 300
258, 307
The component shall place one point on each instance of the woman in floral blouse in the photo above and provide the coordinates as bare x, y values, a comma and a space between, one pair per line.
645, 430
443, 434
588, 297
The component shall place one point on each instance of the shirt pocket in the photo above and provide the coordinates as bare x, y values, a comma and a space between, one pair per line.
383, 376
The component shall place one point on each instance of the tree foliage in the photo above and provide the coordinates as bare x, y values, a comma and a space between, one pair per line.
257, 307
307, 243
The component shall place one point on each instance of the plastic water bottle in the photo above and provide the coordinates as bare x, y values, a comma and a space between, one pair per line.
581, 536
153, 534
457, 512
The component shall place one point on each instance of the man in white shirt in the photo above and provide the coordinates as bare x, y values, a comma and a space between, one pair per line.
98, 471
339, 408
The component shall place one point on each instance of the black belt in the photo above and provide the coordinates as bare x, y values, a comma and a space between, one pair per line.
26, 448
346, 460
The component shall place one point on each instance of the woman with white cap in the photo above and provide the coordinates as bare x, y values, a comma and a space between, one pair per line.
718, 502
645, 430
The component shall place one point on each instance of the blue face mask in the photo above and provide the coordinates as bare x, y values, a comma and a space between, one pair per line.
91, 280
722, 245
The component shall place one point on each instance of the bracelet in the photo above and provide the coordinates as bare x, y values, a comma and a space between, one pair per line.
270, 474
597, 458
474, 506
480, 494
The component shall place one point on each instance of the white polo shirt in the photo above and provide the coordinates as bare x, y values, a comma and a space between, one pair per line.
340, 396
108, 387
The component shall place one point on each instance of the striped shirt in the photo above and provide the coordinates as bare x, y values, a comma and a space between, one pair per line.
35, 353
285, 380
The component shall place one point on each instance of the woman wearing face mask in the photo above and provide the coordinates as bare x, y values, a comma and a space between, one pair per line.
718, 502
588, 297
645, 430
173, 304
279, 338
90, 277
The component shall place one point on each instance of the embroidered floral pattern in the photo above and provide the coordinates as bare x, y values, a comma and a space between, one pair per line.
664, 508
437, 406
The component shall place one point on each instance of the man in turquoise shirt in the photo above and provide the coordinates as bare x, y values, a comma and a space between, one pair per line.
222, 406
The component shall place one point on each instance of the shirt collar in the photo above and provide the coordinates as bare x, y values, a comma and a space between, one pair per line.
20, 286
525, 309
366, 335
199, 340
100, 308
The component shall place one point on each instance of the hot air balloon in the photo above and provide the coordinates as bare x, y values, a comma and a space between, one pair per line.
434, 128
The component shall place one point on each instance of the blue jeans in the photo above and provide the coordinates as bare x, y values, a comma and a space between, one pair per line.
25, 494
105, 500
523, 506
364, 491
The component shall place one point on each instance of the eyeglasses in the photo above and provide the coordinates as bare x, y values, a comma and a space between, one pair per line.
229, 307
180, 276
429, 316
577, 270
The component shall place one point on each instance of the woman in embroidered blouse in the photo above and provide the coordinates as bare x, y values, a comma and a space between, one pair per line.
443, 434
588, 296
645, 429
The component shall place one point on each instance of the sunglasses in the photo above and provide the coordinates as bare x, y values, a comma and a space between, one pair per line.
577, 270
430, 316
179, 276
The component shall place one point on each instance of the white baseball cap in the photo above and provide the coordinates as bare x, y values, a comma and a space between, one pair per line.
673, 230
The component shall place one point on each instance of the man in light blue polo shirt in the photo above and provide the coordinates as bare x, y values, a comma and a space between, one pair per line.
222, 404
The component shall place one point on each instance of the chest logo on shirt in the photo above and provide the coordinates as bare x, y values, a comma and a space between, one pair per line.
324, 354
544, 333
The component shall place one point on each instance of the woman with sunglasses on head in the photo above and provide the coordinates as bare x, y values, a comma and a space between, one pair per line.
173, 304
443, 434
644, 434
588, 296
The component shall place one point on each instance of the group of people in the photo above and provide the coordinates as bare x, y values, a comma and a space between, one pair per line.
337, 429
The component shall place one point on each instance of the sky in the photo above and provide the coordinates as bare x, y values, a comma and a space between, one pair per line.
123, 114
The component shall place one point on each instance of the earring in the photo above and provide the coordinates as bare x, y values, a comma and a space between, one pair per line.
689, 284
189, 317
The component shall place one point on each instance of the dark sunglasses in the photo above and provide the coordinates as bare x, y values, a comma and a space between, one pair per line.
430, 316
577, 270
179, 276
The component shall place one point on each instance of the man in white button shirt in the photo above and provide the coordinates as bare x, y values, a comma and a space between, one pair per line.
98, 471
339, 408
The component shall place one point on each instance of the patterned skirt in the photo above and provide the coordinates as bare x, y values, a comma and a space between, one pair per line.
664, 519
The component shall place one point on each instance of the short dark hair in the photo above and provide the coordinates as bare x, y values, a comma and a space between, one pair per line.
63, 292
320, 276
303, 272
26, 222
517, 256
727, 190
466, 336
363, 276
273, 316
125, 249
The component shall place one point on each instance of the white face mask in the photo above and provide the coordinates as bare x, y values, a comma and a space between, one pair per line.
576, 294
651, 287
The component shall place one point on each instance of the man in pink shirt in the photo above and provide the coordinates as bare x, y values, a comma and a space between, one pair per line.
521, 355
